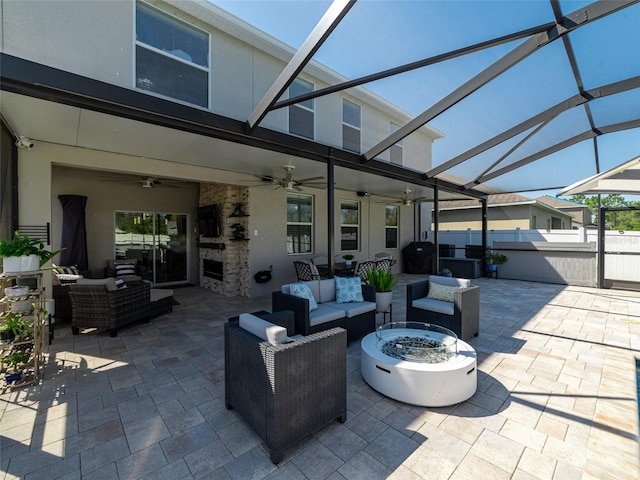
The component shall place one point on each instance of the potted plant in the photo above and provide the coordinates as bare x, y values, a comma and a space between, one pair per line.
24, 254
348, 258
383, 281
445, 272
494, 259
13, 327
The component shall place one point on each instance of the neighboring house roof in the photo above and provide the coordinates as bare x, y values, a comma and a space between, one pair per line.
559, 203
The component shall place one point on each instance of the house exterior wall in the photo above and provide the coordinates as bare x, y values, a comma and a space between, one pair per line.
249, 62
96, 39
501, 218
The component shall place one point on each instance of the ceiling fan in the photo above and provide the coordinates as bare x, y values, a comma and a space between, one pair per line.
289, 183
144, 182
408, 201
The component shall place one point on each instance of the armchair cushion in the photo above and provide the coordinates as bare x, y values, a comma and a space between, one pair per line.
438, 306
348, 290
302, 290
274, 334
444, 293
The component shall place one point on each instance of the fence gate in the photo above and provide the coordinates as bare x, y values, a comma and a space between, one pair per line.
618, 261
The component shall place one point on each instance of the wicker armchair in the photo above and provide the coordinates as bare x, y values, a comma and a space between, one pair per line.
286, 391
101, 306
464, 319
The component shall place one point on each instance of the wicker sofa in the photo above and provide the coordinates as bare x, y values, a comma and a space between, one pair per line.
100, 304
285, 391
358, 319
462, 315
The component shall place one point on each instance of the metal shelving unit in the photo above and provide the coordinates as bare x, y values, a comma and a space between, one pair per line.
33, 342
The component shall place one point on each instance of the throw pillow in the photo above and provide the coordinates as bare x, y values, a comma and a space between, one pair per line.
120, 284
123, 269
348, 290
72, 270
442, 292
302, 290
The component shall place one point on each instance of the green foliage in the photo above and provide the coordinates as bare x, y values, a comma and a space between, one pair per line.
23, 245
347, 256
381, 279
16, 357
496, 258
625, 220
14, 323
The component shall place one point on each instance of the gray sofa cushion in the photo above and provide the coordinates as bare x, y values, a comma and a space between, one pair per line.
325, 314
434, 305
352, 309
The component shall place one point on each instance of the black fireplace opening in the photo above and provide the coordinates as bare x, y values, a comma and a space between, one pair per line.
212, 269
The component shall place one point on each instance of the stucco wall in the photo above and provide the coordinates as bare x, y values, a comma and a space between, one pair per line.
243, 64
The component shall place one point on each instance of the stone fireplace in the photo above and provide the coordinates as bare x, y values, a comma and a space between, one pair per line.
224, 260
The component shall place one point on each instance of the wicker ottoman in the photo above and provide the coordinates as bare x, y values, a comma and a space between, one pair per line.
161, 302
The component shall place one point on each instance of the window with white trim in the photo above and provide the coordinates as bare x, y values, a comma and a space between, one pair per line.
349, 225
172, 57
396, 150
391, 226
351, 125
302, 115
299, 223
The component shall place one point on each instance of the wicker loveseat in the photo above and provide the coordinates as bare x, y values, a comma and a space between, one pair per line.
358, 318
461, 315
285, 391
100, 304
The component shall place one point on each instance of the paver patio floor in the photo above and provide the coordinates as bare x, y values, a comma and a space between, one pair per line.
556, 399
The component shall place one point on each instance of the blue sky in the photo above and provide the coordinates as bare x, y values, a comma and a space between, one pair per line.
379, 34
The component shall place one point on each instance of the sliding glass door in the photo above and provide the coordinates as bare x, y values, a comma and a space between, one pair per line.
158, 241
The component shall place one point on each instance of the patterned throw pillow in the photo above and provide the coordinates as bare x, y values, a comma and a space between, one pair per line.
442, 292
348, 290
120, 284
72, 270
302, 290
123, 269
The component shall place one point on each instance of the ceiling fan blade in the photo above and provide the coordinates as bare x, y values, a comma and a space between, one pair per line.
310, 179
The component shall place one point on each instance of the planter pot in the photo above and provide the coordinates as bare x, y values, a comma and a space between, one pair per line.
383, 300
492, 267
12, 377
7, 336
27, 263
348, 262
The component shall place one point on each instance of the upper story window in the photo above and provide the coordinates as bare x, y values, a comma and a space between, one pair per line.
302, 115
396, 149
172, 57
349, 225
391, 226
351, 125
299, 223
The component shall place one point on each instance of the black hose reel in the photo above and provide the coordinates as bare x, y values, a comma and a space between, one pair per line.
263, 276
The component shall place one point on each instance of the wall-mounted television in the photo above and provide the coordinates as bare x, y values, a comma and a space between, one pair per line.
209, 221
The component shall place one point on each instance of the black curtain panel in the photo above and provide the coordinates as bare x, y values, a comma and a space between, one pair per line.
74, 231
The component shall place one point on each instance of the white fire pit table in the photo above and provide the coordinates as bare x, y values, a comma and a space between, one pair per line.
419, 363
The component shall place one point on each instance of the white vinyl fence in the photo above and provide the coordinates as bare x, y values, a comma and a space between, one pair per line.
556, 256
